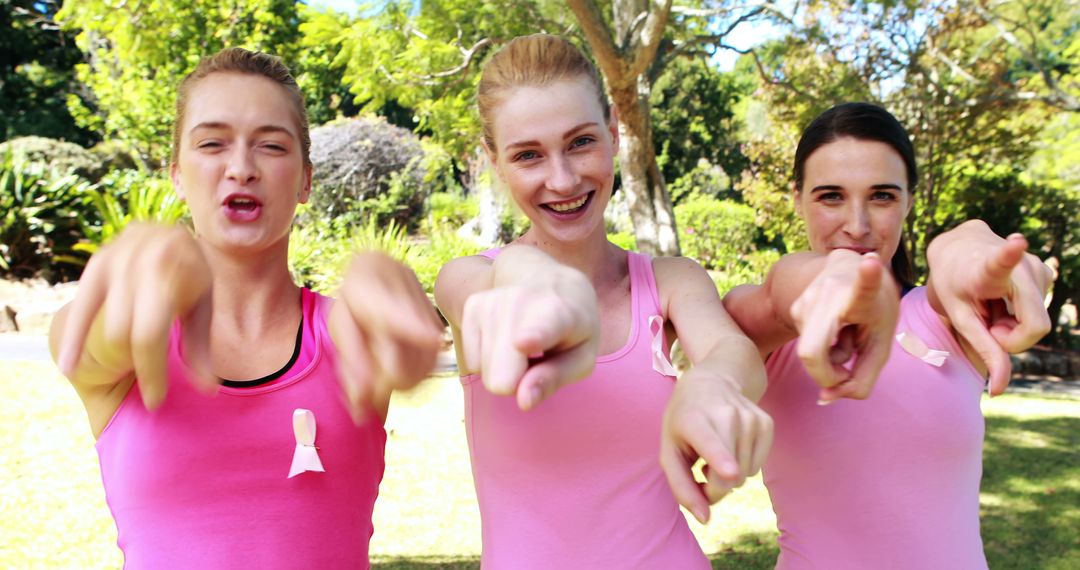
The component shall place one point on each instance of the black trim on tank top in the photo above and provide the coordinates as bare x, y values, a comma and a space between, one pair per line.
274, 376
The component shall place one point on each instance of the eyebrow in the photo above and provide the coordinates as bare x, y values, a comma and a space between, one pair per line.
834, 187
212, 125
567, 134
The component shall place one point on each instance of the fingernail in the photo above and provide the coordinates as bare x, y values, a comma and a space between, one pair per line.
823, 402
533, 398
702, 515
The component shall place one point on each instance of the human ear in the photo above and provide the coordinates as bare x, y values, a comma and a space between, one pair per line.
305, 190
493, 157
174, 175
796, 196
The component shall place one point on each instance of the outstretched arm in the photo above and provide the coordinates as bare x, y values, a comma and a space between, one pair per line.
712, 415
838, 305
386, 332
973, 271
117, 327
525, 322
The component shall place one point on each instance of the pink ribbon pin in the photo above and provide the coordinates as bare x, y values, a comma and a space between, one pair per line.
660, 362
306, 456
917, 348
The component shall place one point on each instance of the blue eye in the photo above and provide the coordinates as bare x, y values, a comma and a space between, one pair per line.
582, 141
526, 155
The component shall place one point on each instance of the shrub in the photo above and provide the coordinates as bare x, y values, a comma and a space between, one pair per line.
56, 158
450, 210
366, 167
126, 196
718, 233
320, 250
41, 217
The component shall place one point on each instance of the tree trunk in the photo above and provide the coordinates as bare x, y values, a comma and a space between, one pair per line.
625, 55
646, 194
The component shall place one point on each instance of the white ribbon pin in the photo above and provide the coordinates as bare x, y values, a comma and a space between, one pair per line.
306, 456
917, 348
660, 362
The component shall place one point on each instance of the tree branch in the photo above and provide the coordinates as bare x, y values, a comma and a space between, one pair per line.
600, 40
651, 34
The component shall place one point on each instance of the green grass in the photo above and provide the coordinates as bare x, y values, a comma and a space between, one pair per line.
426, 515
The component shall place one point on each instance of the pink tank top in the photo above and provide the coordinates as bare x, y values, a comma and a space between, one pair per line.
202, 481
889, 482
576, 482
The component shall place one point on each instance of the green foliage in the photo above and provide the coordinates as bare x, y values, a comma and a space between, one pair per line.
41, 213
450, 210
58, 158
320, 250
126, 196
704, 178
717, 233
625, 240
37, 62
442, 247
137, 52
426, 57
694, 121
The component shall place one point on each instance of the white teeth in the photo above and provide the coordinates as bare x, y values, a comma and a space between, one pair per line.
567, 206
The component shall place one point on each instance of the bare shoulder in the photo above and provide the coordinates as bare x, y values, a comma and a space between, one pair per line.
459, 279
680, 274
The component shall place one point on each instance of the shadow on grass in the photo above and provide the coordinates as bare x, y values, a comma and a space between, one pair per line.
748, 551
427, 563
1031, 504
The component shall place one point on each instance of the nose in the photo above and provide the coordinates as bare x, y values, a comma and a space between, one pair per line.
562, 176
241, 167
857, 224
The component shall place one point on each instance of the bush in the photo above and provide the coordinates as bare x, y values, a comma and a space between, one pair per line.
320, 250
126, 196
751, 268
41, 217
56, 158
366, 167
718, 233
450, 210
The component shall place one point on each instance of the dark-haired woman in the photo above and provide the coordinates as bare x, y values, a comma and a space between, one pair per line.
891, 481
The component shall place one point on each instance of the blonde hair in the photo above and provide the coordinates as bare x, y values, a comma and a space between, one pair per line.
240, 60
537, 60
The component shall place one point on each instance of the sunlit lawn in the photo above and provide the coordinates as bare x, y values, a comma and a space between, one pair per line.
54, 512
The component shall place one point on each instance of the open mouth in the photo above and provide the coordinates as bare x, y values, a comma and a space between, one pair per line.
241, 208
569, 207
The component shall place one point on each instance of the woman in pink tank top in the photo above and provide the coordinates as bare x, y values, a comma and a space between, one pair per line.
280, 467
891, 481
563, 341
